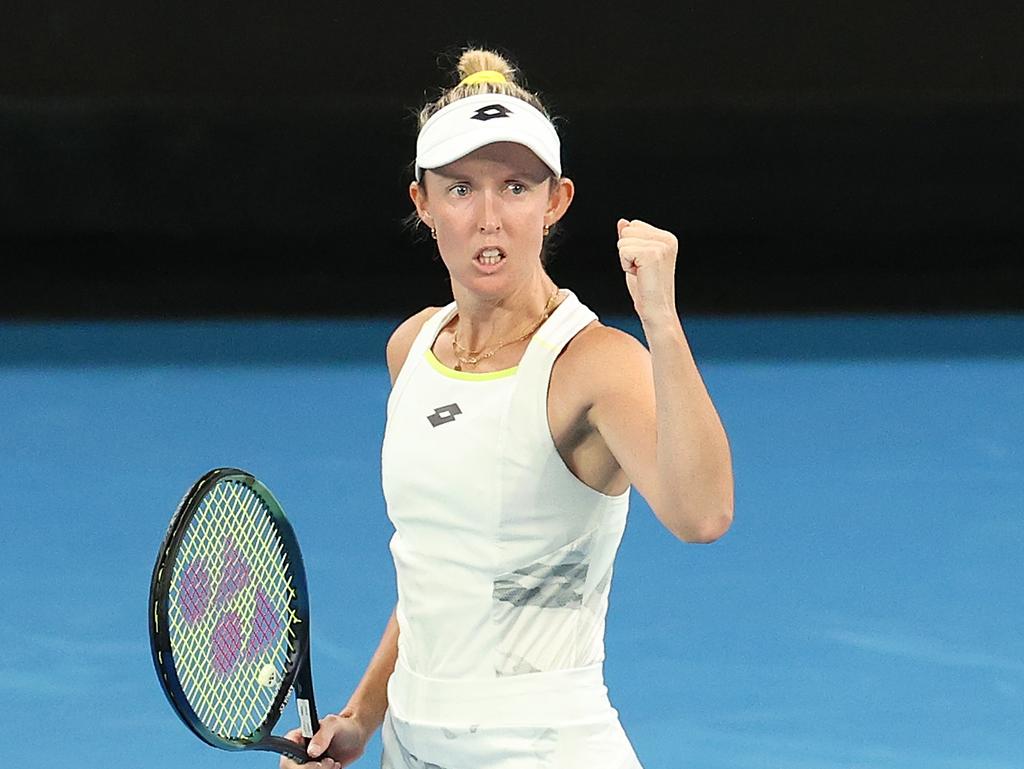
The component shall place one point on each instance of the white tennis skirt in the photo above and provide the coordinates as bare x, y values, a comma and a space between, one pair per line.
556, 720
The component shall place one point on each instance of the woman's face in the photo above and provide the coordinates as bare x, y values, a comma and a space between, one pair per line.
499, 195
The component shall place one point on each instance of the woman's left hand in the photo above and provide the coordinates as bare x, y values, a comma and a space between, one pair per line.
648, 257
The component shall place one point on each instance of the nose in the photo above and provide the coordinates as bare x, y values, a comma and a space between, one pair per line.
490, 219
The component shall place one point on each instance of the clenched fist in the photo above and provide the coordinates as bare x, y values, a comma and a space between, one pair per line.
648, 257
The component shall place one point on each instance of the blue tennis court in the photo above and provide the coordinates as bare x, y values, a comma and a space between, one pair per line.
864, 612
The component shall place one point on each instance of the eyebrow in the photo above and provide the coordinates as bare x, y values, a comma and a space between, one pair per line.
517, 174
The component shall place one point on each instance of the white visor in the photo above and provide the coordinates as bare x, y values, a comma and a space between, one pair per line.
470, 123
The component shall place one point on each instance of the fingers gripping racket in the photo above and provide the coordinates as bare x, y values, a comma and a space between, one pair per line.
229, 616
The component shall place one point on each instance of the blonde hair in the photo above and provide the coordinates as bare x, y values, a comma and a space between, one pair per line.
475, 60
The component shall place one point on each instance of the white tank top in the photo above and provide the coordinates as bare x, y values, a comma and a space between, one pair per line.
503, 557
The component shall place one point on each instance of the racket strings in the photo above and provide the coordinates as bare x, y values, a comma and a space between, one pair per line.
241, 711
230, 610
232, 711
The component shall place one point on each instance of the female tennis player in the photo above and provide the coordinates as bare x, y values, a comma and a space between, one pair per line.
516, 425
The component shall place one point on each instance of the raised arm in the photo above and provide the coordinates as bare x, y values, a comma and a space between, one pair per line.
652, 407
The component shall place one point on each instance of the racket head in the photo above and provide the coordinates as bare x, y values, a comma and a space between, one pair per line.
229, 614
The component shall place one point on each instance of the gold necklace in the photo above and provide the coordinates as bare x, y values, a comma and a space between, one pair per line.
472, 358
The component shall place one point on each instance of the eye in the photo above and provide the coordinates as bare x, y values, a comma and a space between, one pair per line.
514, 186
455, 188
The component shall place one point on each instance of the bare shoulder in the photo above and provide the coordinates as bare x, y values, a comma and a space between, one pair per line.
605, 358
402, 338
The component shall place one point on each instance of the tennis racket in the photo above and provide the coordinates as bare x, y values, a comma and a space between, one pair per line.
229, 616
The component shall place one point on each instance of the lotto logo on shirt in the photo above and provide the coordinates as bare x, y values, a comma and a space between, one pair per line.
444, 414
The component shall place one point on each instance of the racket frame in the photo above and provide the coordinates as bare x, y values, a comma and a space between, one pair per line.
297, 676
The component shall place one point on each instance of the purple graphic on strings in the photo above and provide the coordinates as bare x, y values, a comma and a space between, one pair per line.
194, 591
266, 624
234, 573
226, 642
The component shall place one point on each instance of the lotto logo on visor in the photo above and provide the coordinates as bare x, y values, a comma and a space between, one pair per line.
467, 124
491, 111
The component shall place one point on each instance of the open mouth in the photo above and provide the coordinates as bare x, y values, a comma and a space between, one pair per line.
489, 256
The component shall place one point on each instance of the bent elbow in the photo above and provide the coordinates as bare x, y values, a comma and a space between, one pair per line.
716, 532
710, 529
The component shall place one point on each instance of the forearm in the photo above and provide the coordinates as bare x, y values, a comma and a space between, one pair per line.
695, 499
369, 701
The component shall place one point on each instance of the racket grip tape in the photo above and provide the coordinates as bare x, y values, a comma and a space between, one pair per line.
292, 750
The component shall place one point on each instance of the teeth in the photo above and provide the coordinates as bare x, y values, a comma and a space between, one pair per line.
490, 256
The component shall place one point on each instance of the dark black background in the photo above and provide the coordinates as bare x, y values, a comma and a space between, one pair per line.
179, 159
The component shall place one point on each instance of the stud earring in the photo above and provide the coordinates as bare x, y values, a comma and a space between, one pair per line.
433, 233
547, 229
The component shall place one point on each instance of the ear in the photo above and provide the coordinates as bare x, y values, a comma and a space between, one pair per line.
418, 194
559, 200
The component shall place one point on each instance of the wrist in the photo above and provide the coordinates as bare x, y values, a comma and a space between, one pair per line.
661, 323
369, 722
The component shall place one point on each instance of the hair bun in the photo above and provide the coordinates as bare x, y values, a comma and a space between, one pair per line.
475, 60
472, 61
